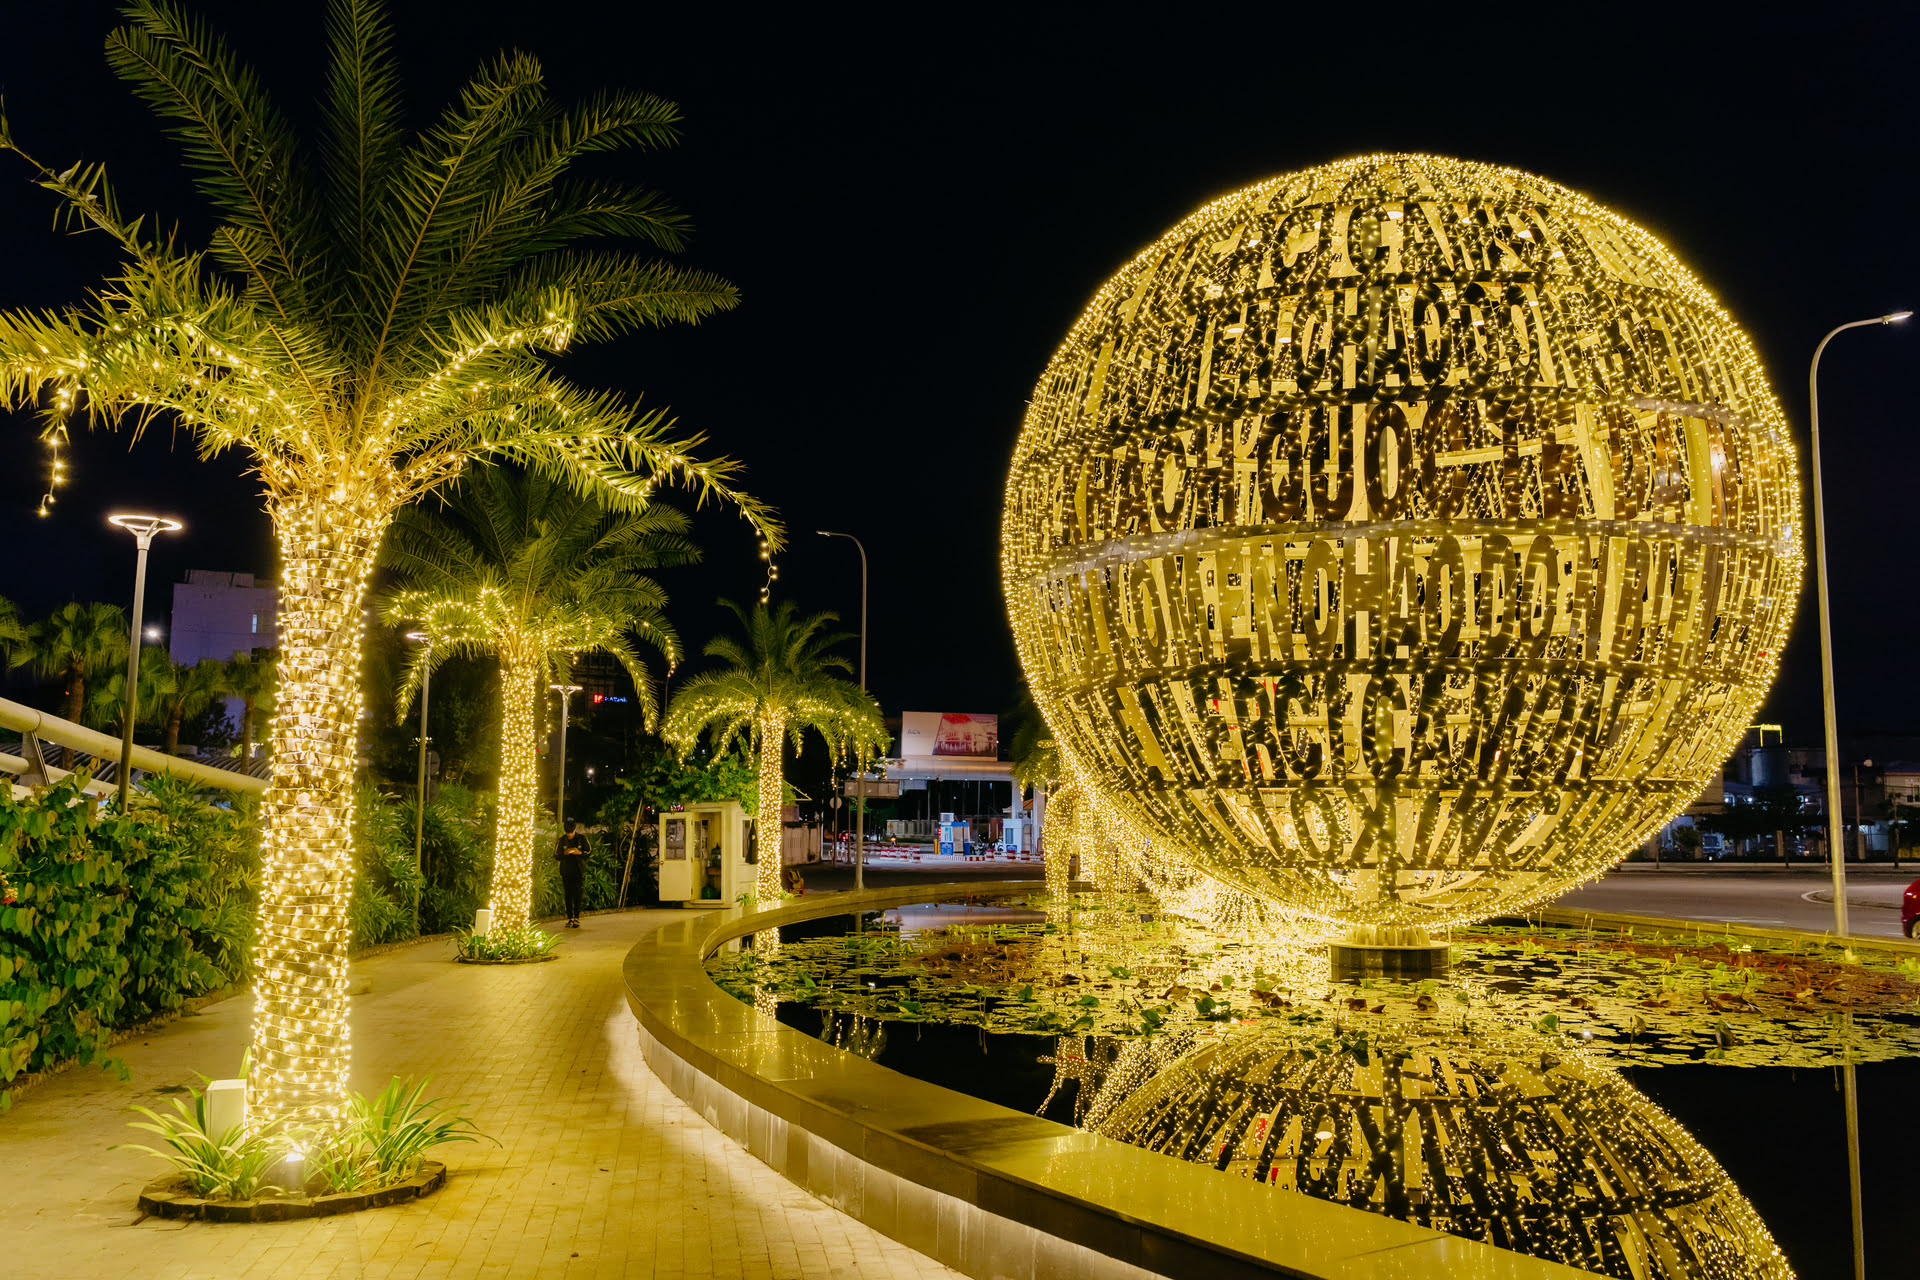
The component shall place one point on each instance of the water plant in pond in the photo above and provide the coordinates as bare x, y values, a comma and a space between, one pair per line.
1110, 967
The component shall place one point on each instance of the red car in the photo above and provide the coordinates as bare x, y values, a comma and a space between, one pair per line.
1910, 910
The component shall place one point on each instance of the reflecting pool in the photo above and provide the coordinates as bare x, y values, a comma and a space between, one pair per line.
1635, 1103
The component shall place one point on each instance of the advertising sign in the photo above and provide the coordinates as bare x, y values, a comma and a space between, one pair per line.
953, 734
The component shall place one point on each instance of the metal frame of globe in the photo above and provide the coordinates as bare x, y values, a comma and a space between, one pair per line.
1401, 541
1493, 1137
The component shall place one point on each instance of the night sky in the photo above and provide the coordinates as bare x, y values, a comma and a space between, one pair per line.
915, 203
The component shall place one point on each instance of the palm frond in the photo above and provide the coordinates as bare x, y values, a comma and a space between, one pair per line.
238, 146
361, 111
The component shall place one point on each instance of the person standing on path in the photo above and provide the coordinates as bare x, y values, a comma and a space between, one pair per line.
573, 869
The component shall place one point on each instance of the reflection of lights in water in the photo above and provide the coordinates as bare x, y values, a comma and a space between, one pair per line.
1496, 1138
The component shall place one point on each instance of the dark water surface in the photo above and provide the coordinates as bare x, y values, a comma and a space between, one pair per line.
1778, 1132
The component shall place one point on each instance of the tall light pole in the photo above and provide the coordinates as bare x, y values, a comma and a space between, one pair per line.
142, 528
566, 692
860, 774
420, 793
1836, 844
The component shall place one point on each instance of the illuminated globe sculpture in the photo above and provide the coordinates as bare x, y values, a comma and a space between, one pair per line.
1402, 540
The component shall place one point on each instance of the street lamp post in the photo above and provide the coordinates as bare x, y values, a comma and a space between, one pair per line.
860, 775
1836, 845
420, 792
1836, 848
566, 692
142, 528
1859, 811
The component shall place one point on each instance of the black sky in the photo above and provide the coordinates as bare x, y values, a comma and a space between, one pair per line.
915, 202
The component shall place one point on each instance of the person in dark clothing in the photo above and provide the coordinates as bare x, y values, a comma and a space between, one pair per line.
573, 869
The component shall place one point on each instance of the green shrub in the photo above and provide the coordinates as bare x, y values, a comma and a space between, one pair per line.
452, 881
108, 918
600, 884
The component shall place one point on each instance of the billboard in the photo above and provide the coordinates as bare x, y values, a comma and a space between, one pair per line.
953, 734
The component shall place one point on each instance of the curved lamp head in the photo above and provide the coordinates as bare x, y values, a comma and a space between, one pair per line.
1896, 317
144, 527
418, 637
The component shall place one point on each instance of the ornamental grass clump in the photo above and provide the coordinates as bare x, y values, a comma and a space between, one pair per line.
231, 1165
382, 1141
505, 943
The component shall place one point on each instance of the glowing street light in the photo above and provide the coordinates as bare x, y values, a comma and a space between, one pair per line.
566, 692
142, 528
860, 771
1836, 844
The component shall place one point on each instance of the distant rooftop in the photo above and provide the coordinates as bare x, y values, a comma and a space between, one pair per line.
215, 578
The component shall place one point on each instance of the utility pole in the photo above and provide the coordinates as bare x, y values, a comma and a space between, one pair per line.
420, 791
566, 692
860, 777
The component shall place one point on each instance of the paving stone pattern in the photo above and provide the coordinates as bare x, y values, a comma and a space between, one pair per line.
601, 1172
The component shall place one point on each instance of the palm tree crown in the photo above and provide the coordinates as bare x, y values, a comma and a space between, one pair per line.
524, 569
368, 319
777, 685
13, 632
77, 642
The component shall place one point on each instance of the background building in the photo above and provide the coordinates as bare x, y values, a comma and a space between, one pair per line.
218, 615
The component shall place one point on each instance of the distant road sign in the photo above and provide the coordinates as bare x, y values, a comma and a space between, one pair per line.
877, 788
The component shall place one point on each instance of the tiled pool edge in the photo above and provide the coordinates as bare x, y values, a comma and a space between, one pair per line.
993, 1193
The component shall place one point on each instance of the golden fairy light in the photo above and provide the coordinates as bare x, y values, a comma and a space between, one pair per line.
1401, 540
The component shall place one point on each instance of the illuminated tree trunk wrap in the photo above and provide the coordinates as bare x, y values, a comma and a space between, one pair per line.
300, 1045
511, 894
768, 824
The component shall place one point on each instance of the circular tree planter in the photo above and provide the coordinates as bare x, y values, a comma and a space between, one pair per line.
170, 1198
518, 960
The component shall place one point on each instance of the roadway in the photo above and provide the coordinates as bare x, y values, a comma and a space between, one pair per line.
1799, 899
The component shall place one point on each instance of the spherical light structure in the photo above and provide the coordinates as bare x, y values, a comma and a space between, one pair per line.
1402, 540
1493, 1138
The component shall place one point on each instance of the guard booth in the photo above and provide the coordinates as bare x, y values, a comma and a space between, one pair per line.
705, 852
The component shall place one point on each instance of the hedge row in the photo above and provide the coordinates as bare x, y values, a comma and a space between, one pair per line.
108, 919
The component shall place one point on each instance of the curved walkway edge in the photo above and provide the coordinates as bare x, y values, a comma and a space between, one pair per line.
992, 1192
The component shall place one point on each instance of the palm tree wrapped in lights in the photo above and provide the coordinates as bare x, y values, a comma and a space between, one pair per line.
526, 570
777, 685
368, 320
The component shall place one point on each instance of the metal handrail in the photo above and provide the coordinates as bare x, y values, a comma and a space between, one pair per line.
65, 733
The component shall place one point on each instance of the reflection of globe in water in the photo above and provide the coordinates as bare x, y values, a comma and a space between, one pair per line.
1545, 1155
1403, 540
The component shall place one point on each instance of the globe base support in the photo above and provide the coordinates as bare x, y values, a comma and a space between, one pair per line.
1404, 953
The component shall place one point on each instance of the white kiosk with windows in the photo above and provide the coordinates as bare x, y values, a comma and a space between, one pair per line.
703, 854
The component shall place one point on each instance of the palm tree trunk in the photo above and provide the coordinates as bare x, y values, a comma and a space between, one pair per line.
173, 727
299, 1046
246, 728
76, 703
511, 895
768, 824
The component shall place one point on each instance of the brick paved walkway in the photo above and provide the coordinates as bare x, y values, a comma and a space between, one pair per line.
601, 1172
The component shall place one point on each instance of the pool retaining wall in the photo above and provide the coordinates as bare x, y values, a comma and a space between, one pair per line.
994, 1193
